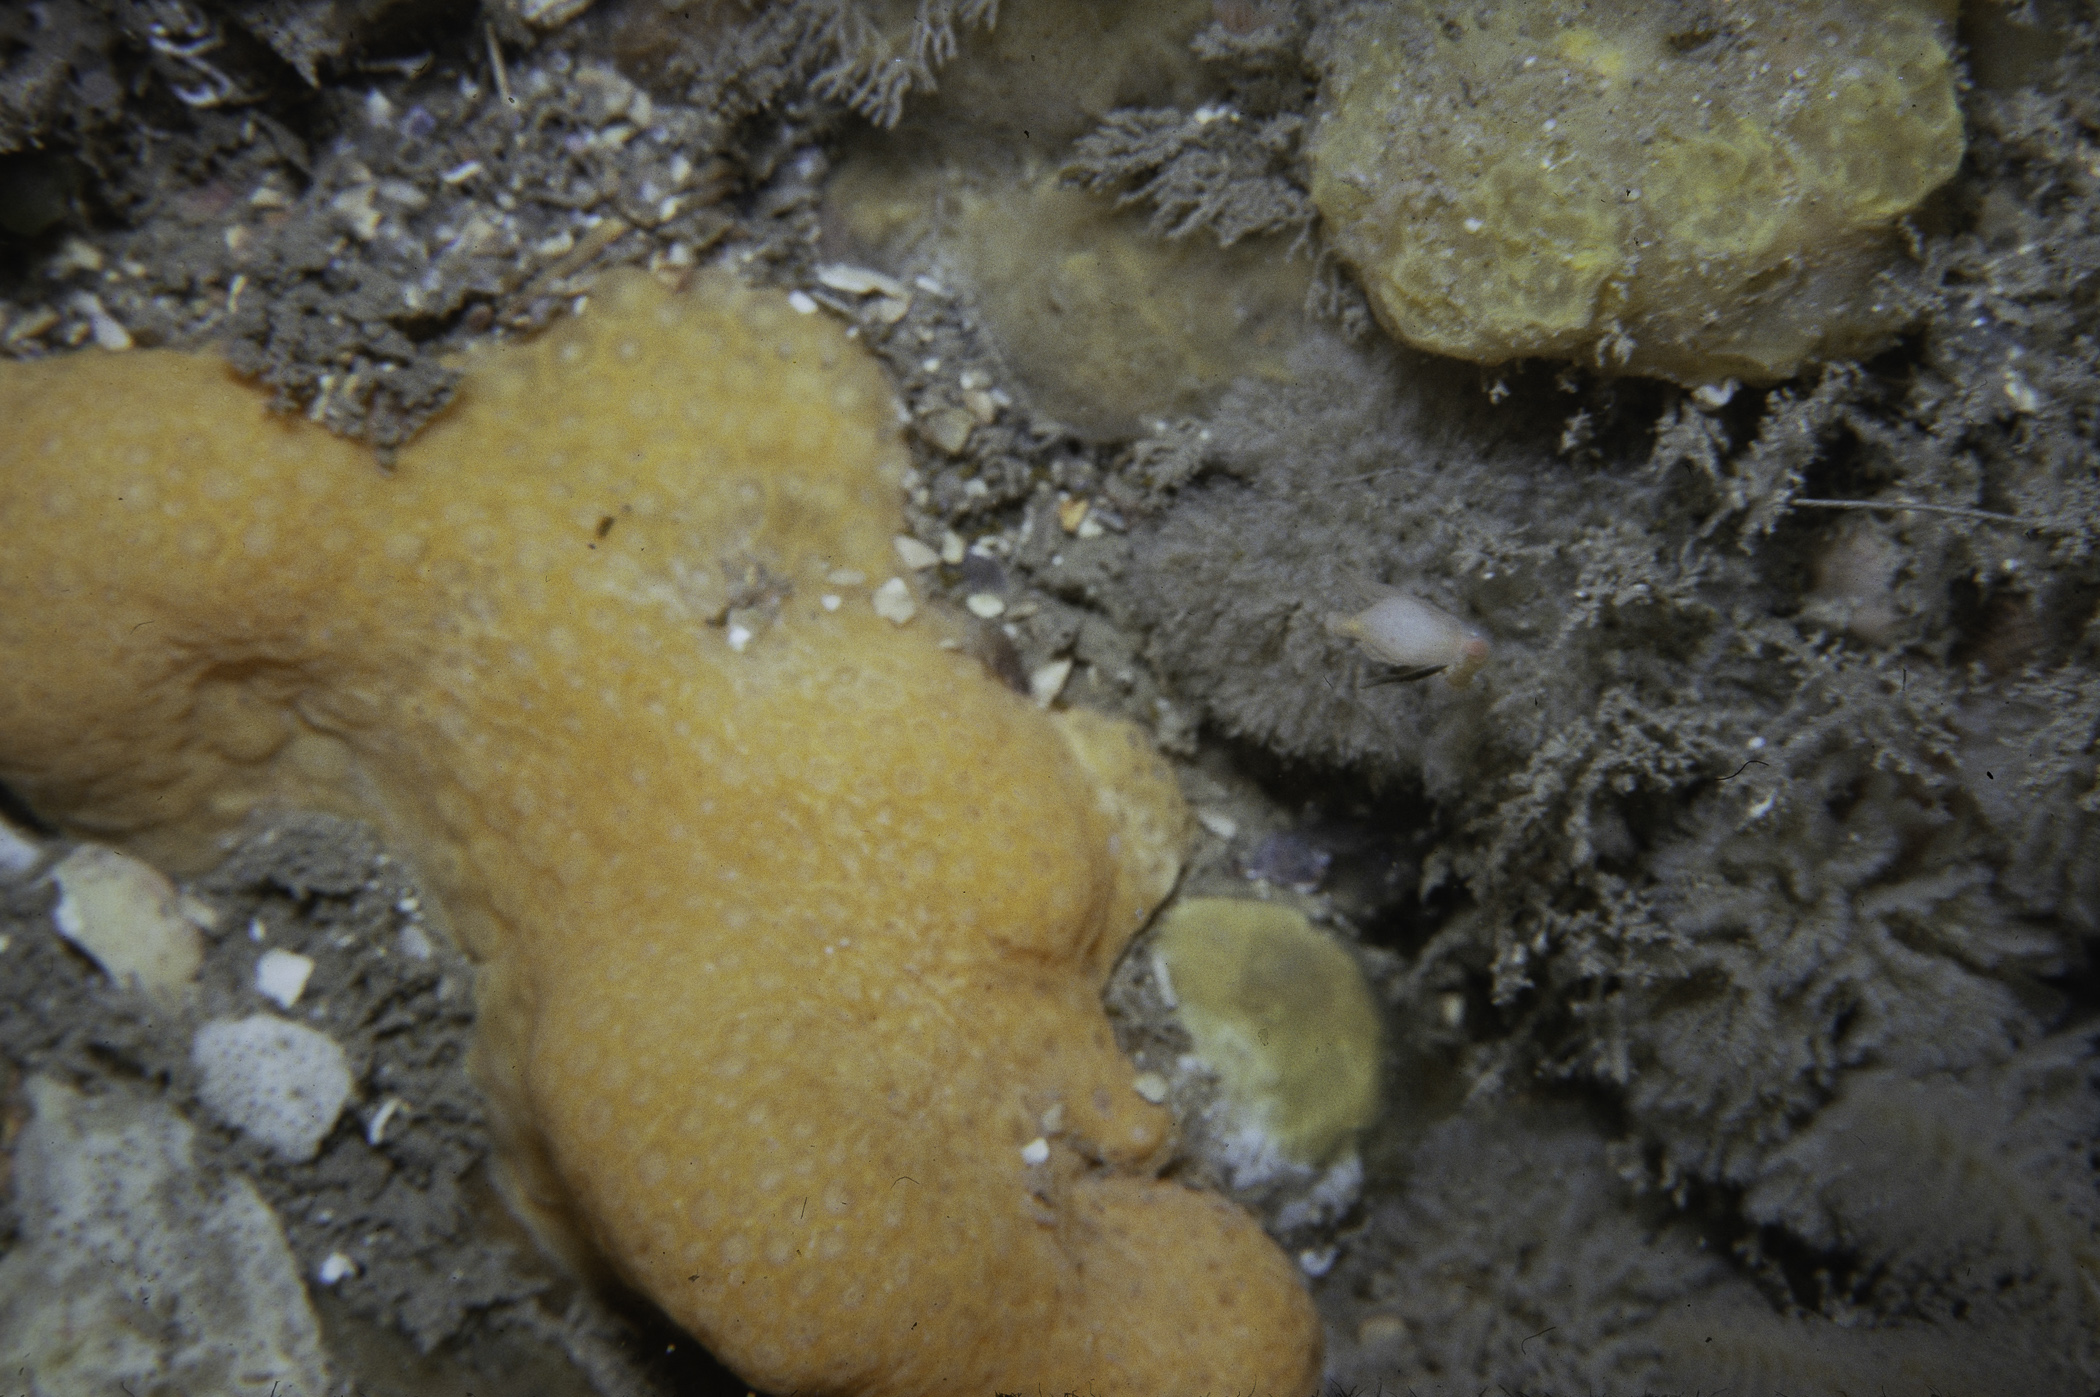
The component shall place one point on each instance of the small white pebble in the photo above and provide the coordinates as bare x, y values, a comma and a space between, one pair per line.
1089, 527
985, 605
914, 554
739, 637
1036, 1151
334, 1267
1756, 744
952, 548
1151, 1086
281, 976
414, 943
893, 602
802, 303
1221, 825
1317, 1261
829, 601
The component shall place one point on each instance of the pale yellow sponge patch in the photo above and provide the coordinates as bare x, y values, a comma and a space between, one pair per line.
1108, 327
1284, 1017
793, 924
1696, 194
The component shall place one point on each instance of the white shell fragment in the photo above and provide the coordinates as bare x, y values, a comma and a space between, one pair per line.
375, 1128
276, 1081
861, 281
280, 976
129, 918
548, 14
1036, 1151
1413, 636
914, 554
1047, 681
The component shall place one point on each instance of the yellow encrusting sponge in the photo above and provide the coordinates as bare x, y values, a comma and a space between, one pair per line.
1284, 1017
793, 924
1693, 193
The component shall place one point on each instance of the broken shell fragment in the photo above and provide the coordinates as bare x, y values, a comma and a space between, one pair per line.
549, 14
129, 918
1046, 682
914, 554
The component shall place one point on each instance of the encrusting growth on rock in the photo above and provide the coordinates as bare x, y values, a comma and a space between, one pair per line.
792, 948
1283, 1015
1653, 188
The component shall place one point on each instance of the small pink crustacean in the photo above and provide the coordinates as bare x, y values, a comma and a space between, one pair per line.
1412, 639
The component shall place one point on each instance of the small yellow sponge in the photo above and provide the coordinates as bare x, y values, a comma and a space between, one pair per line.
1283, 1015
793, 924
1660, 189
